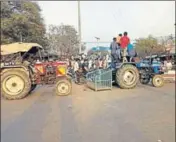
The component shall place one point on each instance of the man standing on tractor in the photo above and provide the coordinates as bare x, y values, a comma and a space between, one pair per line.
124, 41
118, 39
113, 48
131, 51
118, 44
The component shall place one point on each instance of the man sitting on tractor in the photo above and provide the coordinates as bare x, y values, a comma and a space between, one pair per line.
131, 51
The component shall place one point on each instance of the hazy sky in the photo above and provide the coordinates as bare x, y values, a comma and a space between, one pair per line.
105, 19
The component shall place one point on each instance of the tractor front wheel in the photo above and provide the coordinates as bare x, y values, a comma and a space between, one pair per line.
158, 81
63, 87
127, 76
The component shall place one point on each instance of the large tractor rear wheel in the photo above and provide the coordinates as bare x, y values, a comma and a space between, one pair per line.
63, 87
127, 76
15, 84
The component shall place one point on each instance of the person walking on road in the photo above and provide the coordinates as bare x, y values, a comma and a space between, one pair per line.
124, 41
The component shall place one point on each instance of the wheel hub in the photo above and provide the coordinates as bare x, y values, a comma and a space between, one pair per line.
158, 81
13, 85
129, 77
63, 88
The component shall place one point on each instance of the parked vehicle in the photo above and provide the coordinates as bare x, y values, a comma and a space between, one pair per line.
125, 75
151, 70
23, 67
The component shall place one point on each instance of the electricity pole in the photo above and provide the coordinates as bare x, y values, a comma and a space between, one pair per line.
79, 26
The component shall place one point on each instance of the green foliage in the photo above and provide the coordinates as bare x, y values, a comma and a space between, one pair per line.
22, 21
147, 46
63, 40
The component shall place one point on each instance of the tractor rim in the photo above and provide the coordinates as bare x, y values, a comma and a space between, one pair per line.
129, 77
13, 85
158, 81
63, 88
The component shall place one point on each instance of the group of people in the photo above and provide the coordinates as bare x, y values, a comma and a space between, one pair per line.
121, 48
79, 67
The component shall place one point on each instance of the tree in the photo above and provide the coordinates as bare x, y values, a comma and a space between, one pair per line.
21, 20
169, 43
147, 46
63, 40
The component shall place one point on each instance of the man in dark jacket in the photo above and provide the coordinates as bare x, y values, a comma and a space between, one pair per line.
114, 47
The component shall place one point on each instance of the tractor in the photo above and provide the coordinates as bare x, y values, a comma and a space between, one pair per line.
23, 67
151, 70
126, 74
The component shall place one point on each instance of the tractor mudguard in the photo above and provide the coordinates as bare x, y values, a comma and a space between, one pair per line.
119, 65
63, 78
6, 68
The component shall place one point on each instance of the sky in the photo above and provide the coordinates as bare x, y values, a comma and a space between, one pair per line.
106, 19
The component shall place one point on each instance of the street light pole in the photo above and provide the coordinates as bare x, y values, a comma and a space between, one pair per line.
97, 38
79, 26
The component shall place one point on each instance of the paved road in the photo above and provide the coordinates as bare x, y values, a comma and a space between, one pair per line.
144, 114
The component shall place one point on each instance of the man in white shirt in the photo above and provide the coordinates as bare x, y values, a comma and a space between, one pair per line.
75, 69
90, 64
76, 66
169, 65
82, 61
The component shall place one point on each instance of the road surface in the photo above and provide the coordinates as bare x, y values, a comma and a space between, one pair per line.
143, 114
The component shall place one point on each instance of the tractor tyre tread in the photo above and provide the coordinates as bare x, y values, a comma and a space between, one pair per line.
67, 81
26, 79
153, 80
119, 75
